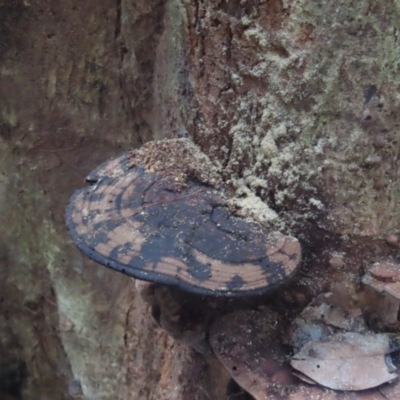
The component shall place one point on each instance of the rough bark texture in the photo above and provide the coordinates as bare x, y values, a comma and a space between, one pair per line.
295, 101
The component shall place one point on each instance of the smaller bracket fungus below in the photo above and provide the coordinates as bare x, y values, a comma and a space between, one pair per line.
174, 229
247, 344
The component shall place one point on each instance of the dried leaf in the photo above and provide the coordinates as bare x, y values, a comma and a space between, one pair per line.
346, 361
323, 318
247, 343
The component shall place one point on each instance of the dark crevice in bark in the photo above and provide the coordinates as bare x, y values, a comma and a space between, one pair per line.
118, 19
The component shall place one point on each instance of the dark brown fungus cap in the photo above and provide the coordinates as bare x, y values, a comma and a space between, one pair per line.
146, 226
247, 344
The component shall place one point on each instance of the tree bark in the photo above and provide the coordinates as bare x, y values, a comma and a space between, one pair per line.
297, 104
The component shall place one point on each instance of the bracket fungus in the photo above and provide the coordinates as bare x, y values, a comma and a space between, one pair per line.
169, 225
246, 343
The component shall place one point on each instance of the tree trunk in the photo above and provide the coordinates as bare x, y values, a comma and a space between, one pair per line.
297, 104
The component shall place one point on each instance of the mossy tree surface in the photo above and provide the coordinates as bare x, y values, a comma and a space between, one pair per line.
295, 102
